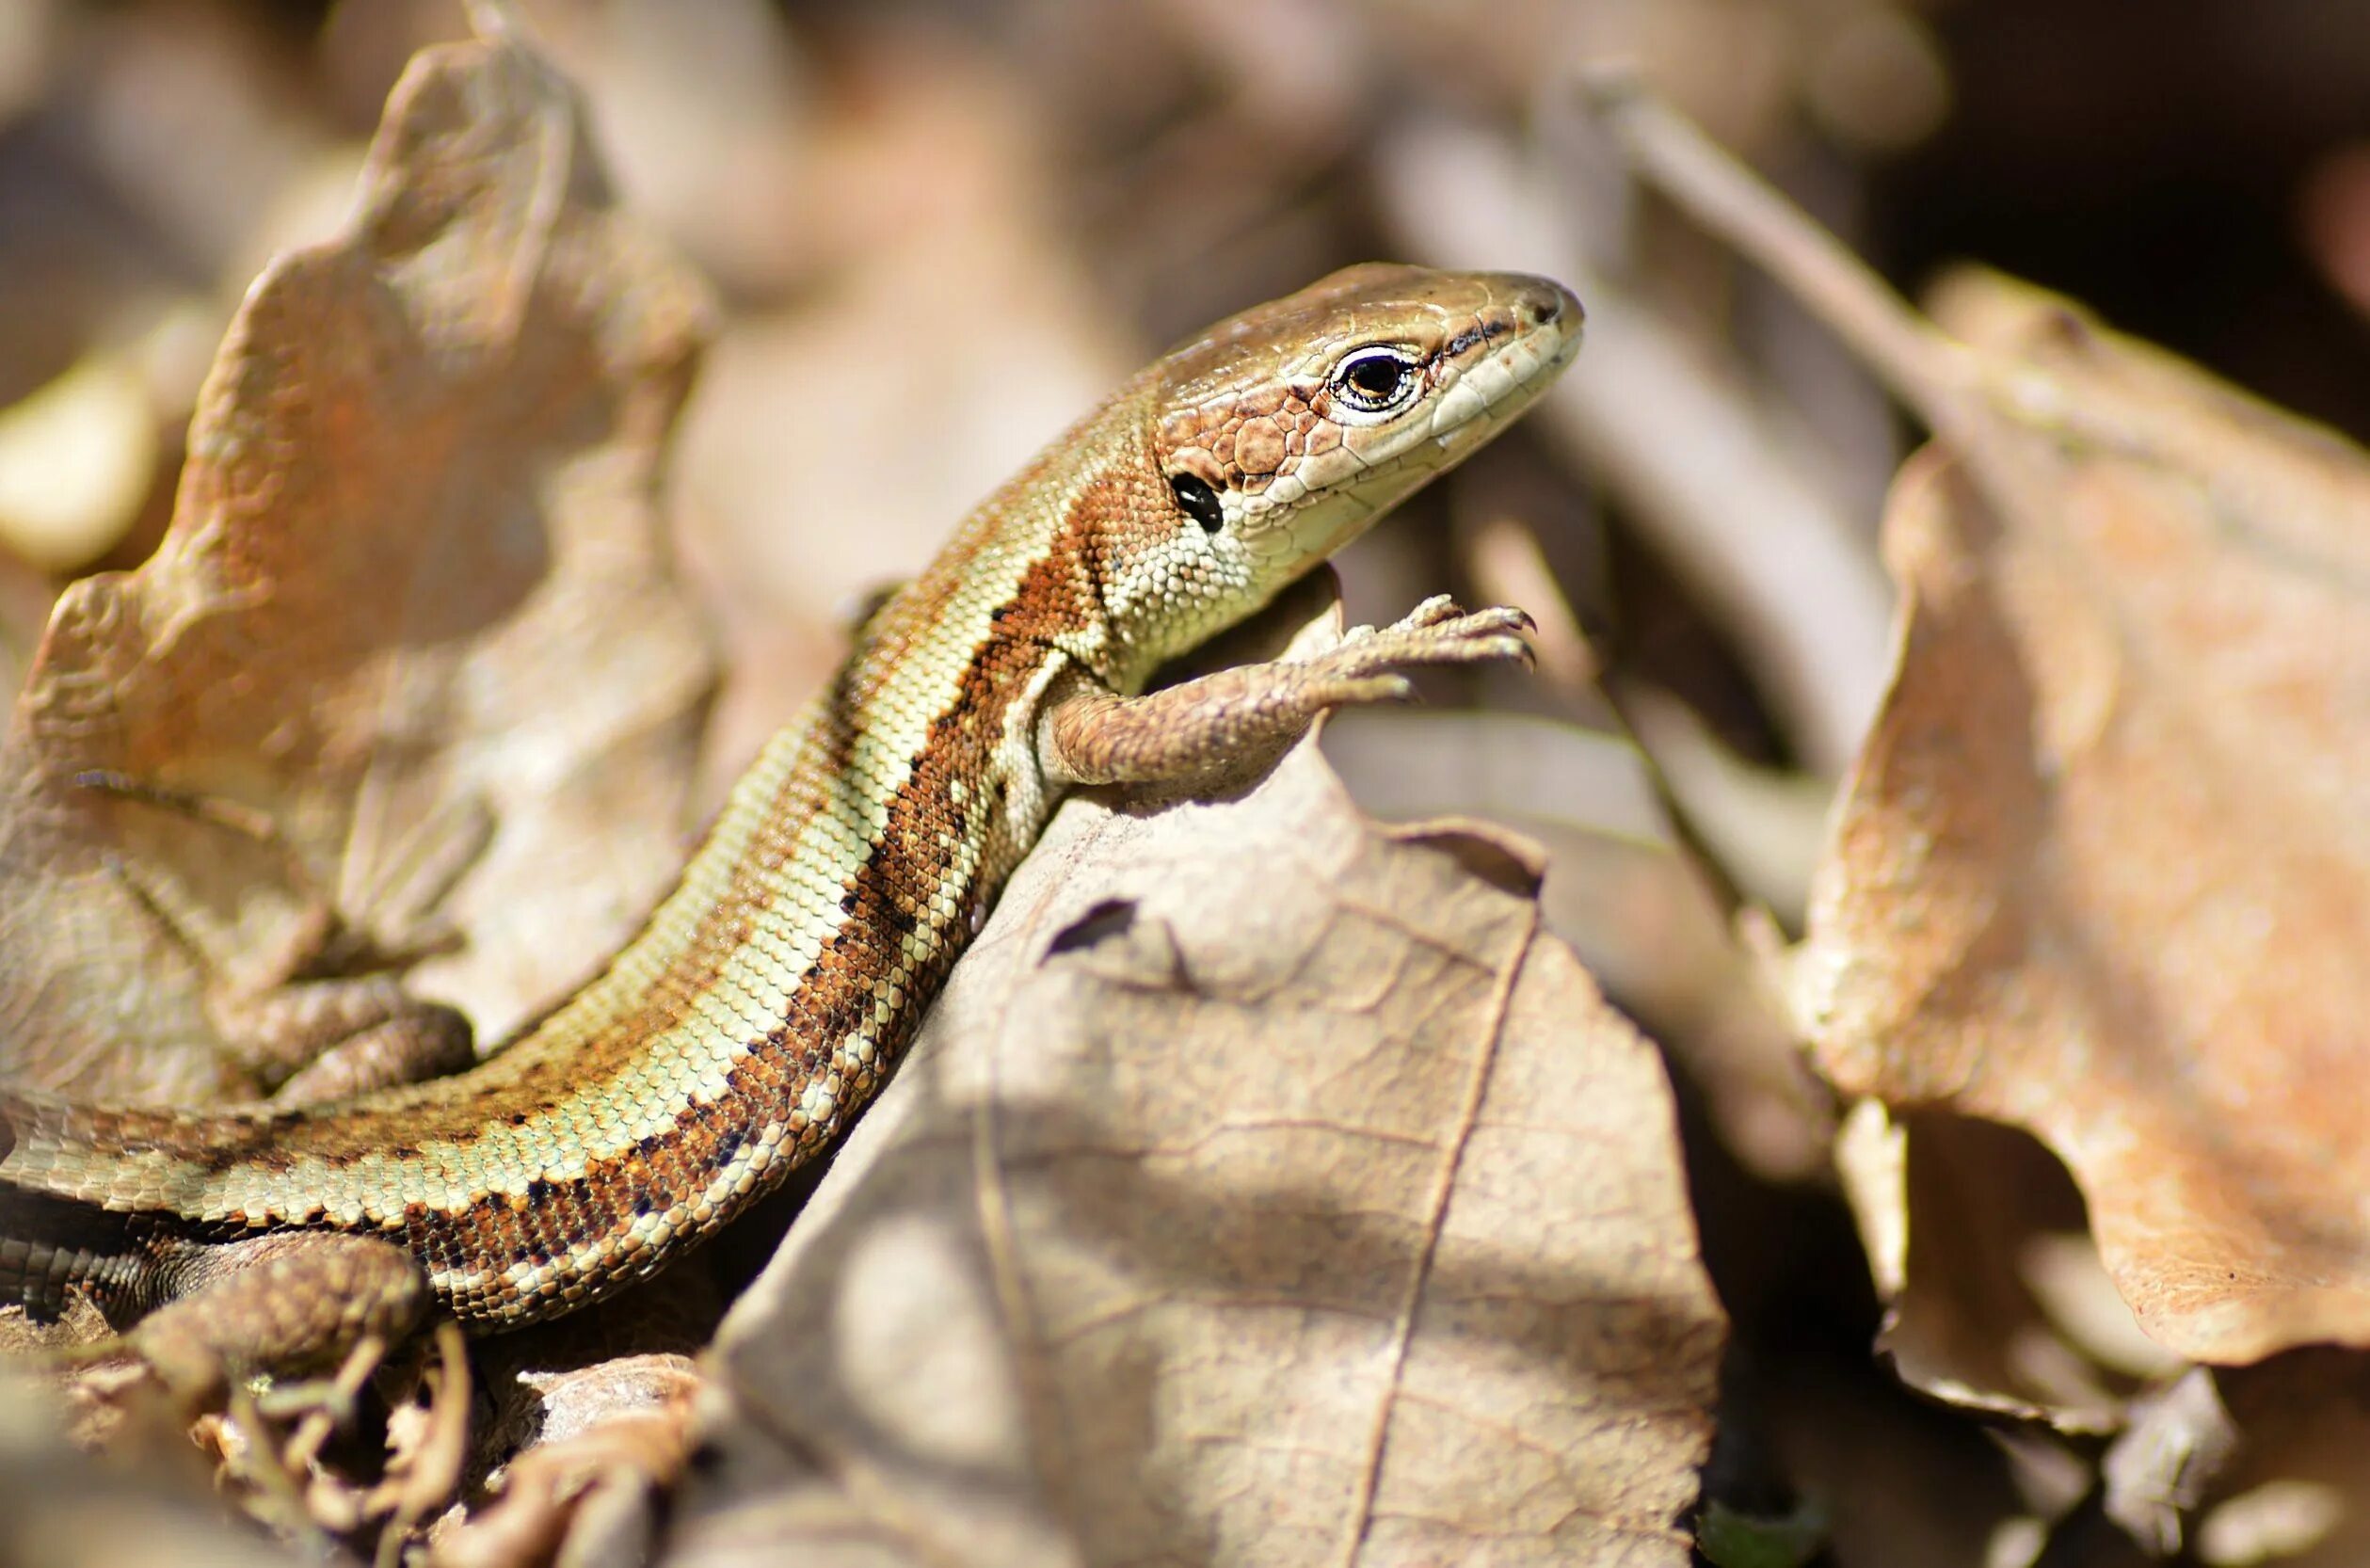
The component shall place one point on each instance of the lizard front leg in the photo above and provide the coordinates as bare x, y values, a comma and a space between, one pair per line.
1190, 730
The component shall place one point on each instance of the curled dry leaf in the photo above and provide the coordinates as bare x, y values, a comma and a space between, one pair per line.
1267, 1186
414, 583
550, 1474
2103, 871
614, 1436
1979, 1243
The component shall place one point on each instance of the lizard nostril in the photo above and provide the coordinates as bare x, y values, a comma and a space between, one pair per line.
1541, 309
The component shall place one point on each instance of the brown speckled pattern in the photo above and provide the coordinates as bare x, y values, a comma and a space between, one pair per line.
758, 1009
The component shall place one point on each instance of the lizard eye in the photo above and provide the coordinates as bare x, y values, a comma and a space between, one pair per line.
1200, 500
1375, 380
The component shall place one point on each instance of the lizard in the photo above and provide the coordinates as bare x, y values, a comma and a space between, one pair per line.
762, 1004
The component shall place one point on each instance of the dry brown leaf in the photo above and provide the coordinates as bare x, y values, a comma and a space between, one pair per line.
2104, 869
584, 1422
614, 1436
1633, 906
414, 625
1267, 1186
1996, 1300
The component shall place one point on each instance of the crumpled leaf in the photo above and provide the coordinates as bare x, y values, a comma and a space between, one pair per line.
1978, 1243
614, 1436
2103, 871
412, 661
584, 1422
1267, 1186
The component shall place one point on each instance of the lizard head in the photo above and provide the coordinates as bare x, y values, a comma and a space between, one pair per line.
1281, 434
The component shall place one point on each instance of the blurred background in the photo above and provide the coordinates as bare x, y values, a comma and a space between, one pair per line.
939, 229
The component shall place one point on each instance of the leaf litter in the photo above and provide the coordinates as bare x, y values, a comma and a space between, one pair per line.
1266, 1185
410, 674
1315, 1150
1269, 1182
2102, 871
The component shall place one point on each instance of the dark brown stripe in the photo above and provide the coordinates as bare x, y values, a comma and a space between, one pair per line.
571, 1227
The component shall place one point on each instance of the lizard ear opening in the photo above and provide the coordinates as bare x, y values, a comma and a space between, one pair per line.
1198, 500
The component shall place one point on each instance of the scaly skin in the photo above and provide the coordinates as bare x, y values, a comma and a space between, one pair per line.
758, 1009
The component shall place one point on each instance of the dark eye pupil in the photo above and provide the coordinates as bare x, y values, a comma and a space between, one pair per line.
1377, 375
1200, 500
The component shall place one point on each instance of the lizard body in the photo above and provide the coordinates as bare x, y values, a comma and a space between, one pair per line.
759, 1007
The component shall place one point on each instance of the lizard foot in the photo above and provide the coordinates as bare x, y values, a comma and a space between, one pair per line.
1363, 667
